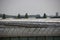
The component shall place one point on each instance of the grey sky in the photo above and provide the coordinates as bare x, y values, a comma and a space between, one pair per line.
13, 7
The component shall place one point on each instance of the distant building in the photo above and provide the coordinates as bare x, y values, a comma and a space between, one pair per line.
32, 16
56, 14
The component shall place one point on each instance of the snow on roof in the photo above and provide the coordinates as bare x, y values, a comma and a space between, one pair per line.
33, 20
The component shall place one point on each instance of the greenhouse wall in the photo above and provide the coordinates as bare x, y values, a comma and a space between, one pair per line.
32, 38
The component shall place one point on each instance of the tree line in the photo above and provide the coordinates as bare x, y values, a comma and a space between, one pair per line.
26, 16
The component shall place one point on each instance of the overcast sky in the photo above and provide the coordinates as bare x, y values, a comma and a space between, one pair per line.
13, 7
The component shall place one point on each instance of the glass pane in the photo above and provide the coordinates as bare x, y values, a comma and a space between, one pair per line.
39, 38
22, 38
32, 38
49, 38
56, 38
14, 38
